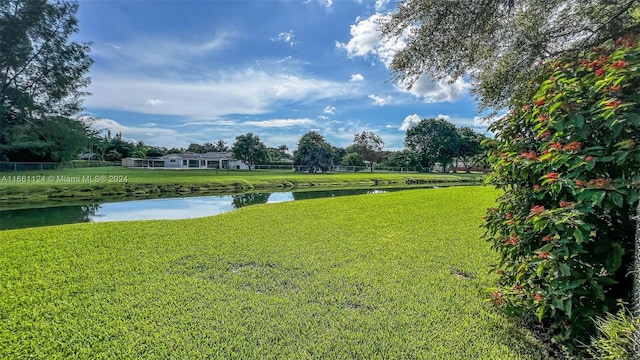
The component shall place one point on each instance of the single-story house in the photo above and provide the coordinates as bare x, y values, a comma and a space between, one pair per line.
210, 160
148, 162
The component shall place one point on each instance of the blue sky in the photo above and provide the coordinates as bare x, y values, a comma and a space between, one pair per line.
171, 73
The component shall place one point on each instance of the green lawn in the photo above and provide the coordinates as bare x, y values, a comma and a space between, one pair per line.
389, 276
118, 182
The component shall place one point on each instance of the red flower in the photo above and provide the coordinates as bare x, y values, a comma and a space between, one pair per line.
556, 145
497, 298
599, 72
620, 64
579, 183
537, 209
588, 158
537, 297
600, 182
573, 146
529, 155
544, 255
536, 187
543, 118
518, 288
613, 103
547, 238
513, 240
539, 102
565, 204
614, 88
544, 135
552, 176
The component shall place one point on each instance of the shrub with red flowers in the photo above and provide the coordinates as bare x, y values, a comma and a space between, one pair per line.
571, 185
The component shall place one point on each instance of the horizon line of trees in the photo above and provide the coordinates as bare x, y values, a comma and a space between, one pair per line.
430, 144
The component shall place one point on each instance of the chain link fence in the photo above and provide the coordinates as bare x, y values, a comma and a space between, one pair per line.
43, 166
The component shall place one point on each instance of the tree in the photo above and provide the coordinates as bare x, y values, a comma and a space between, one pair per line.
196, 148
369, 146
221, 146
352, 159
436, 140
42, 73
314, 153
498, 43
406, 159
470, 151
249, 149
153, 151
337, 154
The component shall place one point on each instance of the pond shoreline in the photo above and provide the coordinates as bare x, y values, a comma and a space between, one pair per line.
30, 195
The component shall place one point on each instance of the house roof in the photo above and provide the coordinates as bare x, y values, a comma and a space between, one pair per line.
208, 156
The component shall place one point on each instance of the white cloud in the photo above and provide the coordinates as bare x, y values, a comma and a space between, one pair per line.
150, 133
286, 37
329, 110
150, 52
380, 101
322, 117
443, 117
154, 102
356, 78
242, 92
432, 91
409, 122
326, 3
279, 123
366, 40
381, 5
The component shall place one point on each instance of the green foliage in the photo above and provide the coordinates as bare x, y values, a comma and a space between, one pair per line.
404, 159
249, 149
369, 146
470, 151
266, 281
616, 336
314, 153
568, 161
113, 155
42, 73
352, 159
436, 140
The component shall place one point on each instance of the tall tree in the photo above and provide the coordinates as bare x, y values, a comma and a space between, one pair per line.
249, 149
406, 159
369, 146
436, 140
314, 153
470, 148
498, 43
42, 73
221, 146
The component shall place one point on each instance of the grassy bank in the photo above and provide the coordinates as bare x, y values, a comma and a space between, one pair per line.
118, 182
387, 276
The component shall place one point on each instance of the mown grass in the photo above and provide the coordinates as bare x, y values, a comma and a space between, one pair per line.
118, 182
389, 276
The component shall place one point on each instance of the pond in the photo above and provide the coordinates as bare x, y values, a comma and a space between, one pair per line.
157, 209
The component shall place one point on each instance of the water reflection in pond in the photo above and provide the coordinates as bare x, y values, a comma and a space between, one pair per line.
156, 209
